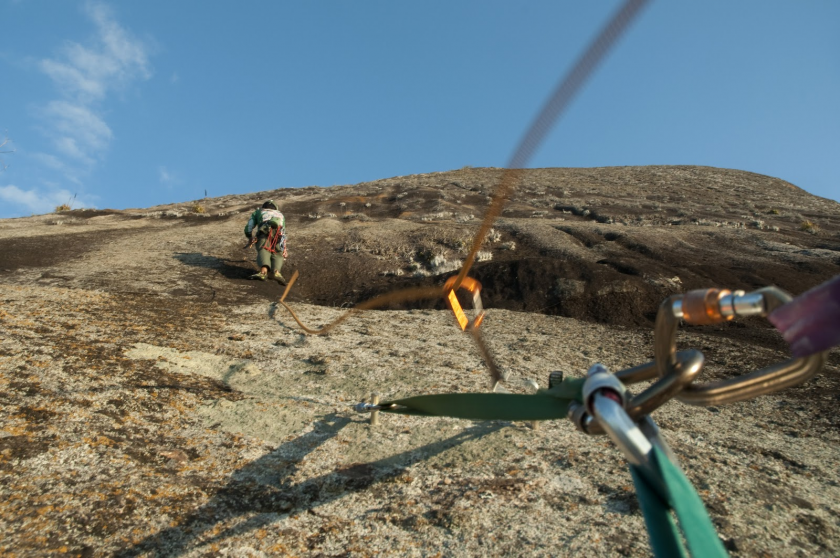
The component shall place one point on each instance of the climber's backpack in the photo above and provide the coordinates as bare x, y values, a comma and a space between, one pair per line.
270, 219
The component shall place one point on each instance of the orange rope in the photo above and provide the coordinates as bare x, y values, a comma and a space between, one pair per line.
271, 242
559, 100
405, 295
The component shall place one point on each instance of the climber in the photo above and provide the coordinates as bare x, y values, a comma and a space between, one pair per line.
267, 230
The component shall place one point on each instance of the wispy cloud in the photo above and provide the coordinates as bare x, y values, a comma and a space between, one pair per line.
86, 75
19, 202
80, 133
111, 60
52, 162
167, 178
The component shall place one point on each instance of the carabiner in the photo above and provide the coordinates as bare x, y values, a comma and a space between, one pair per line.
473, 287
605, 398
712, 306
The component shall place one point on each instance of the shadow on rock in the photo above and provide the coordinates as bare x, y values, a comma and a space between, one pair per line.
239, 269
263, 487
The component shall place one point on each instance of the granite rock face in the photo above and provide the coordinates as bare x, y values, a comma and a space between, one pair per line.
158, 403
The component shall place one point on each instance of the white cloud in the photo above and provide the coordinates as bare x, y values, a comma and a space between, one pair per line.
53, 162
79, 132
85, 74
112, 60
72, 81
69, 146
50, 161
18, 202
167, 178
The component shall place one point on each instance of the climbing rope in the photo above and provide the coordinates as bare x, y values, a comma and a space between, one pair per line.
551, 111
600, 403
274, 235
405, 295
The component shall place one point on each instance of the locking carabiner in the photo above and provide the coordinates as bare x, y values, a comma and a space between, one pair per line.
716, 306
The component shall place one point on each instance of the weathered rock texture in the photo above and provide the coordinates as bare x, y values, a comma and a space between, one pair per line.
156, 402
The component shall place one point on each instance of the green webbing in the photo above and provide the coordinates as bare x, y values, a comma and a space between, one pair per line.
662, 531
547, 404
700, 535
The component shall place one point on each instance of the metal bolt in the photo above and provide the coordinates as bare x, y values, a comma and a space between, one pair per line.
555, 378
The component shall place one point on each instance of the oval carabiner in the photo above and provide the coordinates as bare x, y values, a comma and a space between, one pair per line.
769, 379
713, 306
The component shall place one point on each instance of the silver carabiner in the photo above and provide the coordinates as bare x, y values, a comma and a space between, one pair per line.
688, 365
606, 402
716, 306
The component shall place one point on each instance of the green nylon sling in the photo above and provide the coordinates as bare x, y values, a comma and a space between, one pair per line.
681, 498
552, 404
547, 404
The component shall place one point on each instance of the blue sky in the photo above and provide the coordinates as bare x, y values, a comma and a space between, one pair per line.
132, 104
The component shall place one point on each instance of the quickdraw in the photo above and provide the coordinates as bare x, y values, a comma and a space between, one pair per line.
600, 403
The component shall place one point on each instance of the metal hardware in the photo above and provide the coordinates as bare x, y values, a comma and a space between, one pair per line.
769, 379
366, 407
555, 378
727, 305
472, 286
373, 407
678, 377
621, 429
374, 415
579, 417
596, 369
652, 433
636, 374
601, 382
676, 307
531, 384
687, 365
702, 307
677, 370
740, 305
632, 439
712, 306
472, 325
